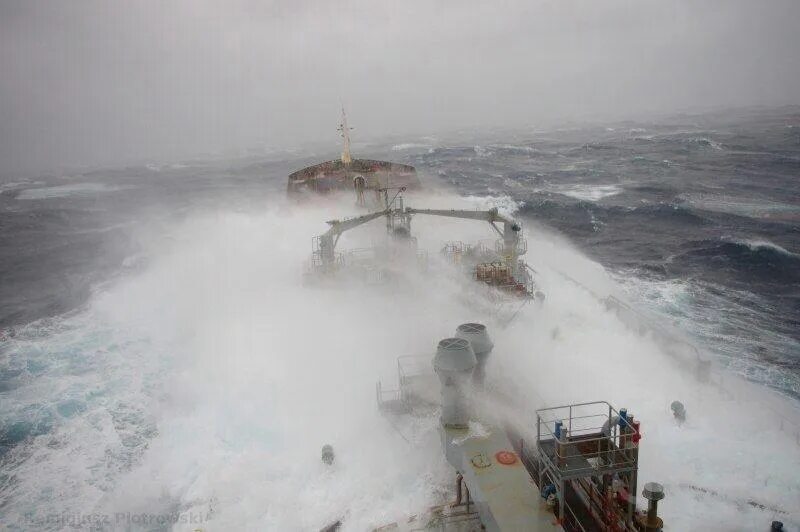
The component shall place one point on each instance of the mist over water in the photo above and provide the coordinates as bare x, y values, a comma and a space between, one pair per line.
164, 366
94, 83
202, 379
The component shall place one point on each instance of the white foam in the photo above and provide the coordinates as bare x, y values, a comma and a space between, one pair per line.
62, 191
482, 151
732, 442
703, 141
410, 146
585, 192
504, 204
742, 206
517, 148
756, 245
216, 377
11, 185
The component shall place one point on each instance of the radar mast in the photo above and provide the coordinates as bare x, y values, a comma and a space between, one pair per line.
346, 159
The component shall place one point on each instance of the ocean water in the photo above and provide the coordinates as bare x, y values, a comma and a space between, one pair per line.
162, 365
700, 215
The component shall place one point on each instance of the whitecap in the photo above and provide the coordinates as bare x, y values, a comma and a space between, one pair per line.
756, 245
62, 191
504, 204
480, 151
742, 206
11, 185
513, 147
703, 141
586, 192
410, 146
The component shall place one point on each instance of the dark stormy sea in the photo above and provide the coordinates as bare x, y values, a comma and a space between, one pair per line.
699, 214
696, 217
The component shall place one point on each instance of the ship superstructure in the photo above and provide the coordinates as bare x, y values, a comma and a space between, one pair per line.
579, 472
364, 176
572, 467
498, 267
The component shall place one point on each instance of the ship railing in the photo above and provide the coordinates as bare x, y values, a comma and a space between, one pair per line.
509, 292
422, 260
359, 255
383, 395
389, 400
413, 366
585, 439
485, 246
316, 263
499, 275
417, 386
341, 259
454, 247
677, 346
417, 379
372, 276
316, 245
454, 251
500, 246
684, 350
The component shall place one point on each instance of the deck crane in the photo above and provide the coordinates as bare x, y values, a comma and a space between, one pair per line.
329, 239
398, 222
511, 232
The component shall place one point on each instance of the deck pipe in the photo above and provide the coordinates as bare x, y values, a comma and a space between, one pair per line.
653, 492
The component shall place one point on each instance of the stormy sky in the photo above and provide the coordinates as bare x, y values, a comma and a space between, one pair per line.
100, 82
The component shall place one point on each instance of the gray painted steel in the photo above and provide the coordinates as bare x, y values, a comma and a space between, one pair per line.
477, 336
454, 362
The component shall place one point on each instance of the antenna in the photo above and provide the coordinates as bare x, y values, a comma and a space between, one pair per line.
391, 212
346, 159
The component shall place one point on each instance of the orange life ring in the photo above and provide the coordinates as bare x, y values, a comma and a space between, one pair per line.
506, 457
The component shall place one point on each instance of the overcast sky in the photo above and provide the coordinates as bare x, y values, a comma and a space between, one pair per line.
114, 81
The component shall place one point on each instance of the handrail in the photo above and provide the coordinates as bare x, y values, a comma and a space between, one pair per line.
598, 435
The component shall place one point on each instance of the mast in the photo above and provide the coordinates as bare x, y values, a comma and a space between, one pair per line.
346, 136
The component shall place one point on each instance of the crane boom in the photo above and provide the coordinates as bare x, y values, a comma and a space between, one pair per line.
510, 232
327, 241
491, 215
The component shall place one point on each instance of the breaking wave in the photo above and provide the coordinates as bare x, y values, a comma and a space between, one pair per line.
756, 260
410, 146
706, 143
585, 192
505, 204
60, 191
206, 384
203, 380
756, 245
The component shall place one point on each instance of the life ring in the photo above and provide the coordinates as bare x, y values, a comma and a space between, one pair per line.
506, 457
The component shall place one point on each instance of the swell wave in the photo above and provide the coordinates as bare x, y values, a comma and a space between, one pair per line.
656, 213
766, 245
753, 259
